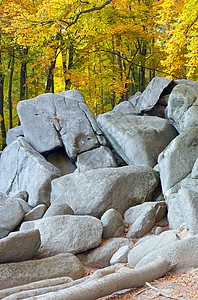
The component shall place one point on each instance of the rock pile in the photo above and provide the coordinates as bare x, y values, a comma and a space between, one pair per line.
77, 191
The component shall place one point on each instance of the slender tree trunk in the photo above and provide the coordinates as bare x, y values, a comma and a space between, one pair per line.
10, 89
50, 78
113, 79
142, 68
3, 130
23, 74
101, 85
70, 65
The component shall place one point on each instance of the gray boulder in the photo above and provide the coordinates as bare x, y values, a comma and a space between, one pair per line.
26, 207
150, 243
152, 93
174, 215
182, 108
60, 119
21, 194
19, 246
134, 99
137, 139
13, 134
60, 160
11, 214
100, 257
101, 157
113, 224
58, 209
187, 201
121, 255
93, 192
73, 234
22, 168
126, 107
183, 253
20, 273
40, 122
143, 217
194, 174
36, 213
177, 160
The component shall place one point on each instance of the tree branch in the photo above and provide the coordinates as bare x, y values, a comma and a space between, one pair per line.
88, 11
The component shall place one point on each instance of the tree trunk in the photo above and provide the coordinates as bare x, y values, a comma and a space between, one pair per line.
10, 88
3, 130
113, 79
23, 74
50, 78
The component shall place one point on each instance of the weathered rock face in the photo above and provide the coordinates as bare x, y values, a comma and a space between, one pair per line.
182, 109
150, 243
65, 264
101, 157
19, 246
22, 168
13, 134
152, 93
62, 234
182, 253
177, 160
95, 191
52, 120
11, 214
137, 139
100, 257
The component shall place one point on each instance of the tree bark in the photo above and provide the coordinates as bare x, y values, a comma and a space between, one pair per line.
123, 279
23, 74
10, 88
3, 130
50, 78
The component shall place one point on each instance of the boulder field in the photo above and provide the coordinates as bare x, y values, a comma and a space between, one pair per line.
80, 192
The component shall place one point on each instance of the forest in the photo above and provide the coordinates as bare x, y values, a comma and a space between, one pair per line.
107, 49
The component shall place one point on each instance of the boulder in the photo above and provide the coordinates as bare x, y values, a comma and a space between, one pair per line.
36, 213
194, 174
100, 257
72, 234
177, 160
137, 139
21, 194
13, 134
19, 246
143, 217
60, 119
19, 273
157, 86
126, 107
58, 209
182, 109
113, 224
183, 253
121, 255
11, 214
187, 201
40, 122
150, 243
93, 192
101, 157
22, 168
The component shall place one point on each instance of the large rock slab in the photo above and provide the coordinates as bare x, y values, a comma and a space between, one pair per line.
60, 119
143, 217
13, 134
156, 87
182, 109
19, 246
65, 264
93, 192
68, 233
150, 243
101, 157
11, 214
22, 168
100, 257
177, 160
183, 253
137, 139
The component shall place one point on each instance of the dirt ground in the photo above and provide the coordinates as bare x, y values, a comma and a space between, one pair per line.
171, 286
